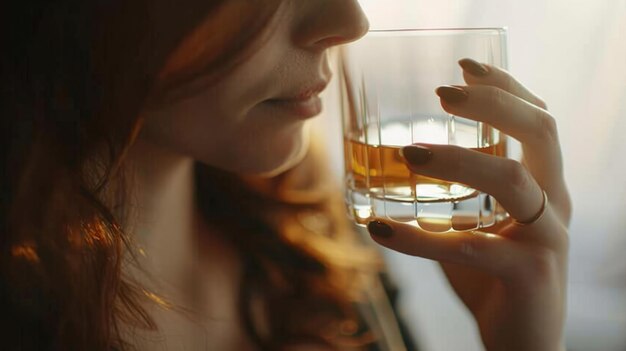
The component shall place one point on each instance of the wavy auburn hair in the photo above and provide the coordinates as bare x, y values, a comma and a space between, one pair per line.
75, 76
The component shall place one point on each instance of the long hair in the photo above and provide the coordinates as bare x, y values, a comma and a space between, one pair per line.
301, 257
75, 76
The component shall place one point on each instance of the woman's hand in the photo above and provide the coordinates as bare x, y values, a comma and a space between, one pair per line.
513, 278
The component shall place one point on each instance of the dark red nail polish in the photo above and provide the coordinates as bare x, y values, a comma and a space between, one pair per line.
417, 155
474, 68
380, 229
452, 94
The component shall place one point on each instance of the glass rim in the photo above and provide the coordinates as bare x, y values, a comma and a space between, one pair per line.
440, 31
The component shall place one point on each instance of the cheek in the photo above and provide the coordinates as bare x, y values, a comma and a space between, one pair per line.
228, 127
233, 140
269, 152
189, 126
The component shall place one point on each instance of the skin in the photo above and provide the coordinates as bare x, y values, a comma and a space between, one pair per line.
512, 279
230, 125
211, 125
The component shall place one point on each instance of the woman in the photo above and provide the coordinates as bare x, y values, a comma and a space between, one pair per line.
157, 190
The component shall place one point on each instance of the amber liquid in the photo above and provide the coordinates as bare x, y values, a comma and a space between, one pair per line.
379, 183
382, 172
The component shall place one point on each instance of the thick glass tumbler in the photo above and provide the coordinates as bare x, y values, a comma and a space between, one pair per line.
388, 80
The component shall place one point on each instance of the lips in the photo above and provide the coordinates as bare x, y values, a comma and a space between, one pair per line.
300, 107
305, 103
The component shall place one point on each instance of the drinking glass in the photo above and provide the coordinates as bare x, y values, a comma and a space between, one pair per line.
388, 80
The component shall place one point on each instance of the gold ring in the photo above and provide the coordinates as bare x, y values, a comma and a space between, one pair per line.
539, 214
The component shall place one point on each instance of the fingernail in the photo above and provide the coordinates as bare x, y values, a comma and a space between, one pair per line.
380, 229
452, 94
416, 155
474, 68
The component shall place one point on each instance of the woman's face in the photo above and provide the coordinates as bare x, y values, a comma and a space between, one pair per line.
253, 119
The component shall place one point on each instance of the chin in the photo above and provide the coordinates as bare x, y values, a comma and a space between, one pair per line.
267, 158
293, 158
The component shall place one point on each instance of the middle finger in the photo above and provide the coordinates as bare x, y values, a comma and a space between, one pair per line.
507, 180
534, 127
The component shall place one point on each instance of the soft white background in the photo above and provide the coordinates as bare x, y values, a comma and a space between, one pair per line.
573, 54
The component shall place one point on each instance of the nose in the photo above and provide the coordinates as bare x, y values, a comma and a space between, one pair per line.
331, 22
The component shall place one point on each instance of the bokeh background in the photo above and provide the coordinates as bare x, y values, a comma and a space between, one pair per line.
573, 54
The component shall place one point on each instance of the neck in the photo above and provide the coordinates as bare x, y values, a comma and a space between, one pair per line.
167, 228
162, 209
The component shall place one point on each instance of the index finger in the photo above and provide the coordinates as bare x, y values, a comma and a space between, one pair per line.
476, 73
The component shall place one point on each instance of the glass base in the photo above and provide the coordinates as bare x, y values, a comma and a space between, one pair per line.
474, 210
